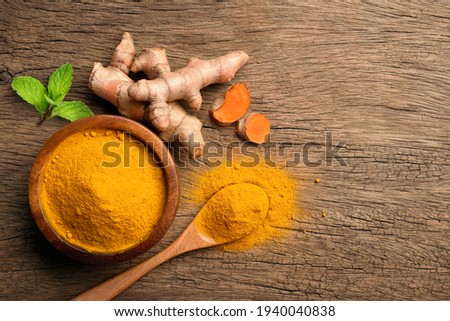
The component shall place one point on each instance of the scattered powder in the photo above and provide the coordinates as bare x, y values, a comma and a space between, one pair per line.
275, 182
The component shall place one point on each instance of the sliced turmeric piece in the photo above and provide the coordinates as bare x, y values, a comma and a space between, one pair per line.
233, 106
254, 127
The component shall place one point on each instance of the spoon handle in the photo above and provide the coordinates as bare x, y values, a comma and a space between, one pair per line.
189, 240
109, 289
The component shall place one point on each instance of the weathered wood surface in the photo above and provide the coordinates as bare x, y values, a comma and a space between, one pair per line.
375, 75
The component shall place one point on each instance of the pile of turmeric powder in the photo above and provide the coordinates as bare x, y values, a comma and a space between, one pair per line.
96, 203
279, 188
230, 214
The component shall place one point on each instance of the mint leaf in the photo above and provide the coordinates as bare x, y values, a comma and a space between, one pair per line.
32, 91
72, 110
49, 100
49, 103
60, 82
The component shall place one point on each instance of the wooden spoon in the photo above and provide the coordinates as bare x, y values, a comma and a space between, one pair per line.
191, 239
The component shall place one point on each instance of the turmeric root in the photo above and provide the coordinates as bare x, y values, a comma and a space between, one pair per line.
254, 127
112, 82
185, 128
182, 84
124, 54
153, 101
233, 106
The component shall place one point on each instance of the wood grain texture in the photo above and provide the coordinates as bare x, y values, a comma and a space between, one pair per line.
375, 75
190, 239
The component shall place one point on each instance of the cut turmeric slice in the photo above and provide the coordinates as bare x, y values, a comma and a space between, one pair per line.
233, 106
254, 127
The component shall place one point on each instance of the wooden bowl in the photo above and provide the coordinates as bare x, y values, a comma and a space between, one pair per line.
139, 132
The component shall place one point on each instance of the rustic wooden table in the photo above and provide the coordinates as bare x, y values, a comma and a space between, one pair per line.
375, 76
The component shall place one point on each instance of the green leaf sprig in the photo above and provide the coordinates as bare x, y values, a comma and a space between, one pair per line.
49, 102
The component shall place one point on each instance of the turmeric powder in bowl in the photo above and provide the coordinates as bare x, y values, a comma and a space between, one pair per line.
102, 191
